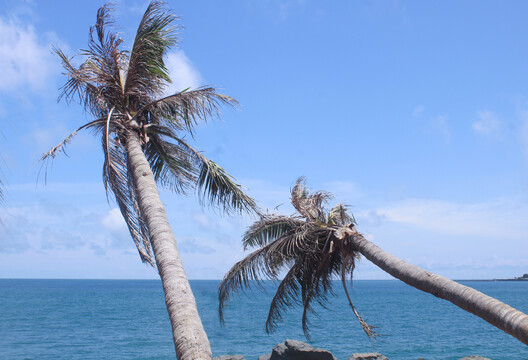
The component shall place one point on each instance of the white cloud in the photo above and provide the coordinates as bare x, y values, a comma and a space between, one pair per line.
25, 59
487, 124
182, 72
114, 221
202, 220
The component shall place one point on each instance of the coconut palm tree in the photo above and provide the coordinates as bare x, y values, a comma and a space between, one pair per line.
314, 245
142, 135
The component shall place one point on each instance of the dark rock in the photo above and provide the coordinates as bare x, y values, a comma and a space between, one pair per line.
264, 357
474, 357
297, 350
229, 357
368, 356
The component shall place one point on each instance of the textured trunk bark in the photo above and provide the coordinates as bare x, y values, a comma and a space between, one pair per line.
190, 339
492, 310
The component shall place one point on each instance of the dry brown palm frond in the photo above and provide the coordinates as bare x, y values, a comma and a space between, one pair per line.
338, 215
310, 245
118, 180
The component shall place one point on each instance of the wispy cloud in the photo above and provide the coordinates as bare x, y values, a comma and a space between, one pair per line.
182, 72
44, 226
523, 116
202, 220
286, 6
501, 219
191, 245
440, 125
488, 123
418, 110
25, 58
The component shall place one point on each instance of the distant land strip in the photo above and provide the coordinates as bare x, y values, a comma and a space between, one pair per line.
492, 280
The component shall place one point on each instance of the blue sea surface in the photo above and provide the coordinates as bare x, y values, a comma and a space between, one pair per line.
127, 319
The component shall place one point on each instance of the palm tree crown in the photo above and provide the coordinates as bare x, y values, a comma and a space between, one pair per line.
310, 244
123, 91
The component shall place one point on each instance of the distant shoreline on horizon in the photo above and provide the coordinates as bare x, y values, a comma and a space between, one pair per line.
493, 280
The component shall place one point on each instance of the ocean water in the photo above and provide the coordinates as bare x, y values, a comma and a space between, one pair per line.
127, 319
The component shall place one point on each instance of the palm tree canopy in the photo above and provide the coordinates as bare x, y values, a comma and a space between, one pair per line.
308, 245
123, 91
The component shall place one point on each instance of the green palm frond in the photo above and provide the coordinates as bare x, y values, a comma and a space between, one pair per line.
310, 245
217, 187
191, 169
183, 110
287, 295
268, 228
171, 164
147, 74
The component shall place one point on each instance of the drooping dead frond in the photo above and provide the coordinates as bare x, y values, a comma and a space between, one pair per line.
118, 181
348, 267
61, 147
313, 245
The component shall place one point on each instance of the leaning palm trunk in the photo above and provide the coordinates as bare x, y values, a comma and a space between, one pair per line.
190, 339
492, 310
142, 135
317, 244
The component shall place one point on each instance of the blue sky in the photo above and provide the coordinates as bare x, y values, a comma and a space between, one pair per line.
414, 113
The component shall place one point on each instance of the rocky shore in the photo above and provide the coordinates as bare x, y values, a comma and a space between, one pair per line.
298, 350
